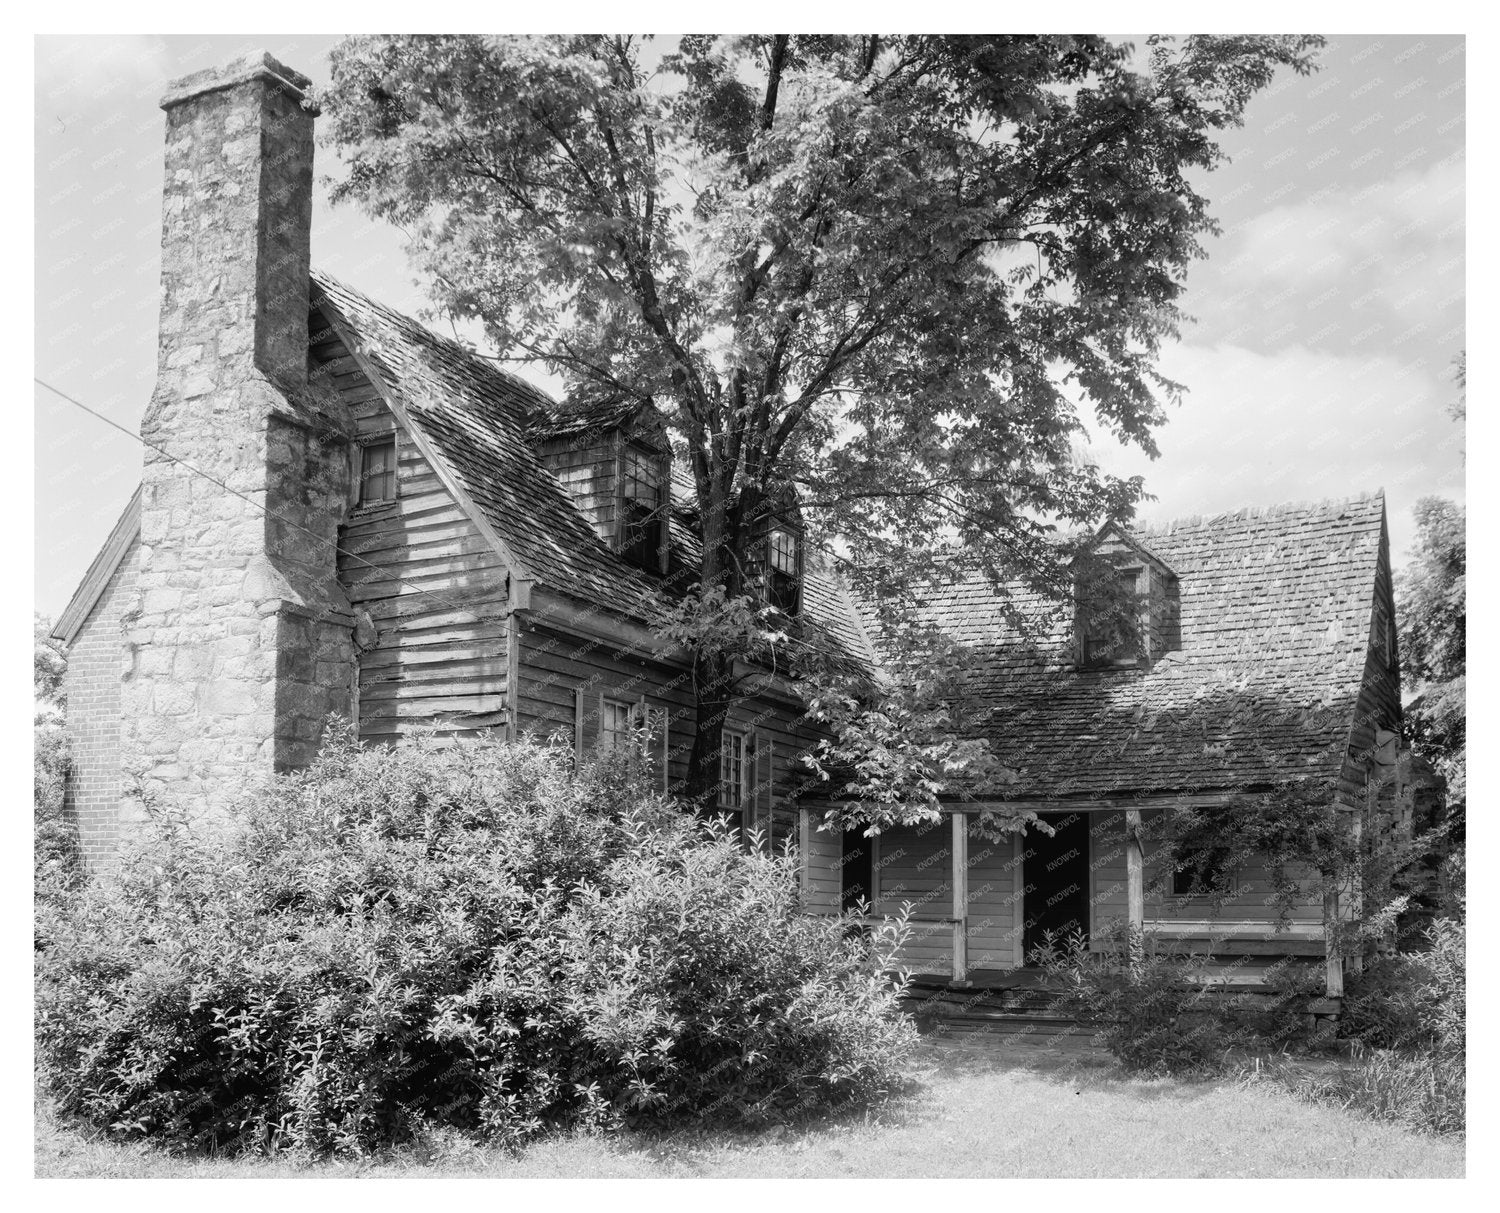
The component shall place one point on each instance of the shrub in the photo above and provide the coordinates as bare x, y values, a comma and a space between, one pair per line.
1407, 1017
1156, 1016
468, 937
54, 839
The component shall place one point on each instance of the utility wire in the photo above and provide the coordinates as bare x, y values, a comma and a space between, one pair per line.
259, 505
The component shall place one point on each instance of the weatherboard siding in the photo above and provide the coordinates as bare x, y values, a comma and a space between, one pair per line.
432, 585
914, 866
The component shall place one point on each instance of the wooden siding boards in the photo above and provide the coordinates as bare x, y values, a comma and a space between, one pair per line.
1250, 915
914, 866
432, 584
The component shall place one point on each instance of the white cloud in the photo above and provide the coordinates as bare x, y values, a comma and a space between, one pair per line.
1343, 269
1296, 425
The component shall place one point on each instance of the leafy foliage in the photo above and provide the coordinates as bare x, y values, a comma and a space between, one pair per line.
1155, 1014
869, 273
54, 840
470, 937
1431, 601
1410, 1013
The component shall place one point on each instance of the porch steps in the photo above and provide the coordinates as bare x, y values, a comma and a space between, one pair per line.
1012, 1010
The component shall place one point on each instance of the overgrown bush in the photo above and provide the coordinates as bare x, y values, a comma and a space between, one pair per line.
1157, 1016
469, 937
1406, 1016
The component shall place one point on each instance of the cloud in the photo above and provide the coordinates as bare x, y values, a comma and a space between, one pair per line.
1298, 424
1343, 269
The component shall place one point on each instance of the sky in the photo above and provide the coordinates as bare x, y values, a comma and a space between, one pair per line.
1327, 313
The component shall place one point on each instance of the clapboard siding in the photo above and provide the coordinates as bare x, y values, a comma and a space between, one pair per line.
821, 851
914, 865
431, 583
559, 670
1252, 914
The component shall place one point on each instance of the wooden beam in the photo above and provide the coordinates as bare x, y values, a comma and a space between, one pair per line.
1099, 804
1333, 979
960, 898
1135, 885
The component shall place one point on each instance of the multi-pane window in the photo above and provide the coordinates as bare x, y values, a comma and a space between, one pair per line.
641, 514
617, 725
377, 472
732, 771
783, 577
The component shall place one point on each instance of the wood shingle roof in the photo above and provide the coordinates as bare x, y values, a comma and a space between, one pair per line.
484, 422
1275, 621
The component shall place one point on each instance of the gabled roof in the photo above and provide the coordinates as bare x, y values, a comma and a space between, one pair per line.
481, 423
477, 417
1275, 616
96, 580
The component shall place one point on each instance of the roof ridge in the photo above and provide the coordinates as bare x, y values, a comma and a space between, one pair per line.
1250, 512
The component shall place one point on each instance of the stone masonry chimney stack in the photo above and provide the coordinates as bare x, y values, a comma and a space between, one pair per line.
238, 644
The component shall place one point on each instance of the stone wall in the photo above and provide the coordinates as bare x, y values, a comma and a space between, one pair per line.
92, 686
238, 638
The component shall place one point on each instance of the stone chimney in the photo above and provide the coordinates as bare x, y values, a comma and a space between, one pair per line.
238, 644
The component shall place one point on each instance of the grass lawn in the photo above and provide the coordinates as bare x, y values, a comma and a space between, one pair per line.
978, 1108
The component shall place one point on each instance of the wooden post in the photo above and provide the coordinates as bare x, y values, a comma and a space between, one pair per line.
1135, 887
960, 897
1333, 981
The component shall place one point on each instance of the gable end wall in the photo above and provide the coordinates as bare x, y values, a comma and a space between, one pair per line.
92, 686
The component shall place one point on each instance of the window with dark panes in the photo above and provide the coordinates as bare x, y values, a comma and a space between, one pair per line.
1202, 873
642, 518
377, 472
1110, 626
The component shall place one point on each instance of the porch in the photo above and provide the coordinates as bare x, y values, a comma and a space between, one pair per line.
978, 908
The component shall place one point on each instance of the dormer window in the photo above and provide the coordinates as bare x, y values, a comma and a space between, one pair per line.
643, 518
784, 570
1109, 625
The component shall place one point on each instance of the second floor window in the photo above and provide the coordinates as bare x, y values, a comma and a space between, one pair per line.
784, 570
377, 471
642, 517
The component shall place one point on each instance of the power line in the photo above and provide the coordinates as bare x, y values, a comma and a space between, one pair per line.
264, 509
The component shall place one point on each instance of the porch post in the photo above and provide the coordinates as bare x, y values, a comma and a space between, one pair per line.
1135, 886
960, 896
1333, 962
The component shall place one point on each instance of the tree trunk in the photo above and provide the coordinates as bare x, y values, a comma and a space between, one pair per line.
711, 675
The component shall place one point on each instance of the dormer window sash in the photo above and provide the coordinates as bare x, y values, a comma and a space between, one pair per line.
643, 518
1099, 645
783, 569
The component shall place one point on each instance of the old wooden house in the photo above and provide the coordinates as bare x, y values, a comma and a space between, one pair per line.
342, 512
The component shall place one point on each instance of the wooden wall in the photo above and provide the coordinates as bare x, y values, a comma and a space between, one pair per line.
822, 851
1251, 915
914, 864
564, 676
433, 587
587, 465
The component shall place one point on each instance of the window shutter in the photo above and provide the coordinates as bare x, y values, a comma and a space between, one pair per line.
771, 793
578, 696
751, 793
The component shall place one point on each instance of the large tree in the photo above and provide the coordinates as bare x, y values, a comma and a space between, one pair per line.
879, 273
